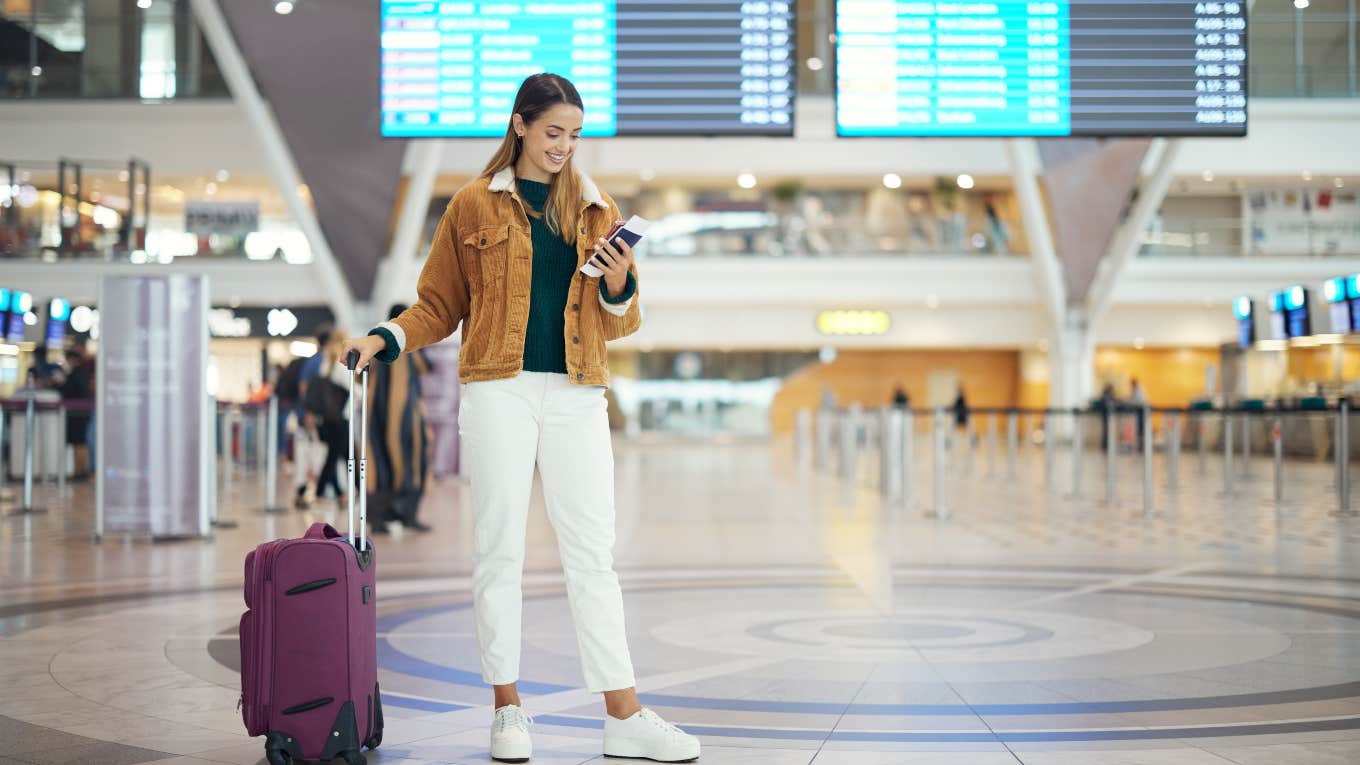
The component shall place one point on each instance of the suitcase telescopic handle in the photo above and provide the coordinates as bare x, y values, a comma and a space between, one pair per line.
357, 531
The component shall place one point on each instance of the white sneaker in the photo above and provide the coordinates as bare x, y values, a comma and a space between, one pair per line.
510, 735
646, 736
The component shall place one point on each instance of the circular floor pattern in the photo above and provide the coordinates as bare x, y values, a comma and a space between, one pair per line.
983, 669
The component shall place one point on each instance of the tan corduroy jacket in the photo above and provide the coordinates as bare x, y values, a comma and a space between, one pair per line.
478, 273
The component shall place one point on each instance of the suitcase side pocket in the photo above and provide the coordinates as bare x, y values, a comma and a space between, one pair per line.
250, 711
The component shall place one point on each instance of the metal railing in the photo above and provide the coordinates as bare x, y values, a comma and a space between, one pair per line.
1232, 237
881, 448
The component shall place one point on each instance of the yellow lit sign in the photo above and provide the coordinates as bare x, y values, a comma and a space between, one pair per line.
853, 322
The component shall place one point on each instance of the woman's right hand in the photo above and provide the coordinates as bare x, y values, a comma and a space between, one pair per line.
368, 346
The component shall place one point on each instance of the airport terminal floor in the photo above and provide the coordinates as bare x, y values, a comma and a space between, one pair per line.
778, 612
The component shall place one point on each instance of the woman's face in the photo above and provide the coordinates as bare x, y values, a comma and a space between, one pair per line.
549, 141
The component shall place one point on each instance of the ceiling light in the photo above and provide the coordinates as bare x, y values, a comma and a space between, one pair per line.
144, 4
1307, 176
1339, 183
892, 180
36, 71
746, 181
283, 7
815, 64
965, 181
1208, 176
1301, 4
223, 176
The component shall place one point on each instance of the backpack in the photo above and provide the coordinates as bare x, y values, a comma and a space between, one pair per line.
288, 387
325, 399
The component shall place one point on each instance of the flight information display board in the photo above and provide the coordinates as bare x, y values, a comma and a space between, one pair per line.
1041, 68
700, 67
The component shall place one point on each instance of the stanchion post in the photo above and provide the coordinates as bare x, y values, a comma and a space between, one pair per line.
1343, 456
849, 446
30, 431
908, 455
1012, 443
1227, 452
1146, 436
1173, 465
228, 437
1049, 436
61, 450
1246, 444
940, 456
1110, 445
271, 451
802, 437
891, 438
1277, 441
991, 444
4, 469
1202, 444
968, 446
1078, 449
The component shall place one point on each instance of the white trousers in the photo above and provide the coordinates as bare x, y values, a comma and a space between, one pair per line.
507, 427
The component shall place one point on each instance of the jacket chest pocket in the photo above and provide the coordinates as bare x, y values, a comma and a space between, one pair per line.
487, 246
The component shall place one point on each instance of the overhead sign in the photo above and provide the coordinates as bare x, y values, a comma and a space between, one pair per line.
223, 218
853, 322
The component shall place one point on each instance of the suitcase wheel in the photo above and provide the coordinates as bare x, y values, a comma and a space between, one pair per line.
374, 740
354, 757
277, 757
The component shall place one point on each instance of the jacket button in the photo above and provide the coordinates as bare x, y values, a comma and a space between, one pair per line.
576, 340
575, 306
483, 241
580, 376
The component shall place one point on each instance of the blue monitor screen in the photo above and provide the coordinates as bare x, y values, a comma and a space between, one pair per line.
721, 67
1040, 68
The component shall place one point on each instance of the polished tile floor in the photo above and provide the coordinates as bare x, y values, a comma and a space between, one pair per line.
783, 614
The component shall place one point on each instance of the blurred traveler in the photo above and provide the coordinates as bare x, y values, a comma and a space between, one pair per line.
325, 400
398, 440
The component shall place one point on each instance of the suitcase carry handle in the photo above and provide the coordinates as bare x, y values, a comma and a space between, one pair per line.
321, 530
360, 544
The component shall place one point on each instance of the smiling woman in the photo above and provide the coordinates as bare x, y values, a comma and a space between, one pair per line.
506, 265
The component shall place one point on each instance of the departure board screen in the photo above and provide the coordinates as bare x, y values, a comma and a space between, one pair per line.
1041, 68
697, 67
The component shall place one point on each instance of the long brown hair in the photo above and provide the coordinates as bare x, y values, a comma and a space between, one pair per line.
537, 94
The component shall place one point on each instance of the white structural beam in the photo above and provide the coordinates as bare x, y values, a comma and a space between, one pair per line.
1124, 246
1047, 268
277, 157
420, 168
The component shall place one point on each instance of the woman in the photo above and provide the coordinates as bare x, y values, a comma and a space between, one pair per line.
505, 262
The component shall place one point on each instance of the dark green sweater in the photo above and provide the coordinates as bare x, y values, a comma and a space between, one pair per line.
545, 347
545, 344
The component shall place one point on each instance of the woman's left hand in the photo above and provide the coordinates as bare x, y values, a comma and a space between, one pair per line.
614, 261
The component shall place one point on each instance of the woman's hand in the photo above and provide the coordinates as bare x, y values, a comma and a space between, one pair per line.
368, 346
614, 263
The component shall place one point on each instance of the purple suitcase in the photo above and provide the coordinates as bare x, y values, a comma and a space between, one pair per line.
309, 665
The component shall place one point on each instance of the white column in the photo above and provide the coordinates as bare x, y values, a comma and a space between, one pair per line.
1072, 364
397, 274
1128, 237
278, 158
1048, 271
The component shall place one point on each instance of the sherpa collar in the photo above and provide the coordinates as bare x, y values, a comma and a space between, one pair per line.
505, 181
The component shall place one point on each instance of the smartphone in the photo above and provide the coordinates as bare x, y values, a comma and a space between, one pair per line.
613, 230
